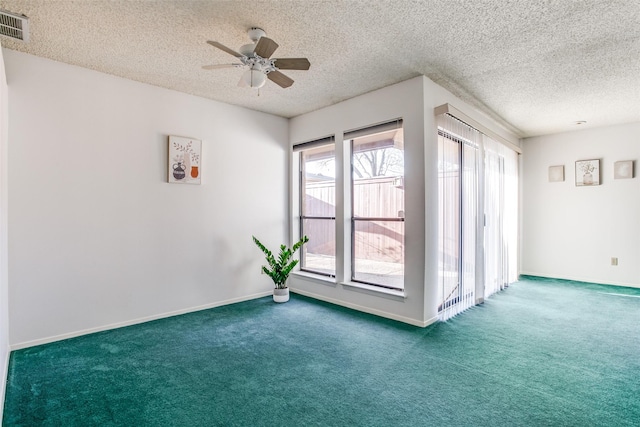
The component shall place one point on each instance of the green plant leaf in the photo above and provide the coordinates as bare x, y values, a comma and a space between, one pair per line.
280, 268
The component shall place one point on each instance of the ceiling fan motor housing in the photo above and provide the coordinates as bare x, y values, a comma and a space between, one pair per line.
255, 33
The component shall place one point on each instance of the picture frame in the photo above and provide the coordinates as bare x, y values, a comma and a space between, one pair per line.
623, 169
556, 173
587, 172
184, 161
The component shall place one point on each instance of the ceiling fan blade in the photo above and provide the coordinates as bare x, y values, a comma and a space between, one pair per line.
226, 49
265, 47
292, 63
217, 66
280, 79
242, 82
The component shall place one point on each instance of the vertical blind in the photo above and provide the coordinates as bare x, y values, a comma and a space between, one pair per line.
501, 216
478, 212
459, 151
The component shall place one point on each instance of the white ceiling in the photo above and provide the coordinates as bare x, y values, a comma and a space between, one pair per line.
536, 66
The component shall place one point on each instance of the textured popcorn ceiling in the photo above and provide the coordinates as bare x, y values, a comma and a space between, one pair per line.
536, 66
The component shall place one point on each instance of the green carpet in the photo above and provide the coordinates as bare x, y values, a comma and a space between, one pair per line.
542, 353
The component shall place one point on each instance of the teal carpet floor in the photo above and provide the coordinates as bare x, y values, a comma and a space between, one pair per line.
542, 353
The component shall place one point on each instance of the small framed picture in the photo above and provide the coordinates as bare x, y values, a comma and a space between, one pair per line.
185, 156
587, 172
556, 173
623, 169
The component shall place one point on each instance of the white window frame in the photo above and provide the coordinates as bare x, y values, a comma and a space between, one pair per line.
349, 138
298, 150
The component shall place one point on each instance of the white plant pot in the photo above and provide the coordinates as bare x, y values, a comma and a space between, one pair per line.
281, 295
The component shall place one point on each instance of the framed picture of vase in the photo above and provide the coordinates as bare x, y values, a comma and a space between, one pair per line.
587, 172
185, 156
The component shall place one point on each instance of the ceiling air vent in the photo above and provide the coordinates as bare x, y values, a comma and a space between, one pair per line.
14, 26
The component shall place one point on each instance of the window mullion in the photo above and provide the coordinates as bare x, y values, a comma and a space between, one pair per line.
343, 210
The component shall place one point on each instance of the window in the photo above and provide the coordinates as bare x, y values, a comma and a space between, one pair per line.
318, 206
377, 202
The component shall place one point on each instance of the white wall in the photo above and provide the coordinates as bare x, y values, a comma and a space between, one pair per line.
573, 232
414, 101
97, 238
403, 100
4, 292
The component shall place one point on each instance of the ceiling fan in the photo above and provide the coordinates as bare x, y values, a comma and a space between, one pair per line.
256, 58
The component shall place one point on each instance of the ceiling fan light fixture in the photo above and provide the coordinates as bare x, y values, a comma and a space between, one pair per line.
254, 78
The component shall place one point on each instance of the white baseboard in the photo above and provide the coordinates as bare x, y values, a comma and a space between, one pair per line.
579, 279
47, 340
387, 315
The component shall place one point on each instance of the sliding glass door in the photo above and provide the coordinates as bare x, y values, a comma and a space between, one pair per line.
478, 214
448, 222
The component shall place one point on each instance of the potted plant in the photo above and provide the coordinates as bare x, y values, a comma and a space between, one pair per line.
280, 267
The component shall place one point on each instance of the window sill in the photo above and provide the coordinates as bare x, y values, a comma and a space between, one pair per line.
375, 290
319, 278
355, 286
